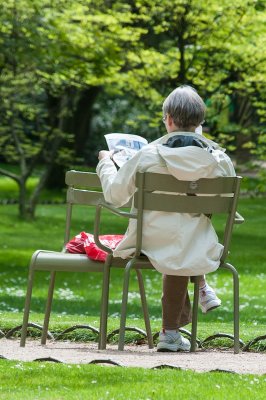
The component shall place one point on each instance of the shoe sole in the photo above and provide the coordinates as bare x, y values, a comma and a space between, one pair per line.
211, 306
173, 348
171, 351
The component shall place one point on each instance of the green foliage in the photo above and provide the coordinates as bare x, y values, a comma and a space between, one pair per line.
217, 47
56, 57
260, 163
50, 55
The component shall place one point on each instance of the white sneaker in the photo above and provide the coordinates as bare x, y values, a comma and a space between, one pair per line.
172, 342
208, 300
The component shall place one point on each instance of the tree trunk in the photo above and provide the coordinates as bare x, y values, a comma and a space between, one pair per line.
82, 119
22, 198
33, 201
182, 29
244, 116
77, 122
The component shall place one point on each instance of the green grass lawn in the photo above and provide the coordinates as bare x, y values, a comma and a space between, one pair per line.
77, 297
77, 301
9, 191
34, 381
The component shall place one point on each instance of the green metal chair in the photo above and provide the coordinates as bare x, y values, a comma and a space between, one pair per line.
162, 192
84, 188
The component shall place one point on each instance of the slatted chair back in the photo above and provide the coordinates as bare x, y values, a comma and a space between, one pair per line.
159, 192
83, 188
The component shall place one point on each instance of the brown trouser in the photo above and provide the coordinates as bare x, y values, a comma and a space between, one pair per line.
176, 309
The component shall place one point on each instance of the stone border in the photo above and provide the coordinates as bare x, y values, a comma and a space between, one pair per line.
200, 342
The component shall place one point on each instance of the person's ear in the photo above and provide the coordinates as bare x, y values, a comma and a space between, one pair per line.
170, 121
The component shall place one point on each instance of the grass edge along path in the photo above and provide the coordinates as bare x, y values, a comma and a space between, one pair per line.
33, 380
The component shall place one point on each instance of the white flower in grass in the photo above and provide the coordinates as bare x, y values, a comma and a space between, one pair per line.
14, 291
115, 315
133, 295
19, 366
67, 294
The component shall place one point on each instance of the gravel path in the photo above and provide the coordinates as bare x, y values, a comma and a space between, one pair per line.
135, 356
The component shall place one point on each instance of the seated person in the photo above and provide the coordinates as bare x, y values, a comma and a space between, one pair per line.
188, 245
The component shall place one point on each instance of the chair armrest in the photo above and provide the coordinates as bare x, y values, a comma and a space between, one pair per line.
238, 219
117, 211
97, 221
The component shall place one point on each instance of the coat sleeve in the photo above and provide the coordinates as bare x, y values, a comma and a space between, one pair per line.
118, 185
224, 163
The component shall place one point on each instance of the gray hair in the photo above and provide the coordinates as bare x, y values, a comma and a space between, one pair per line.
185, 106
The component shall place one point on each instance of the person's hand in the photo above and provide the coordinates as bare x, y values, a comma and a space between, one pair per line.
104, 154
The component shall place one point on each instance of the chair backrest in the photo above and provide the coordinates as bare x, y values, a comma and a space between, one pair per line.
161, 192
84, 188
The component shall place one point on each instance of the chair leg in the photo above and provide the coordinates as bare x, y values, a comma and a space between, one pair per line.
104, 304
195, 314
27, 308
236, 312
48, 308
124, 305
236, 304
145, 308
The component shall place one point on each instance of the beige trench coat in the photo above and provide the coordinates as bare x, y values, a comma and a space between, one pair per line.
188, 245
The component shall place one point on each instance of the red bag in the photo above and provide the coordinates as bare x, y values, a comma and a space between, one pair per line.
84, 243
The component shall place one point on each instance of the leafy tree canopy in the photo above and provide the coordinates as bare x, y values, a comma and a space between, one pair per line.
56, 57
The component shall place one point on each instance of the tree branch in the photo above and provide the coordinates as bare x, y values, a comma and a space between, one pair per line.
9, 174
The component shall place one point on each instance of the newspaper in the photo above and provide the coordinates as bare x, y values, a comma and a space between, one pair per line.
124, 146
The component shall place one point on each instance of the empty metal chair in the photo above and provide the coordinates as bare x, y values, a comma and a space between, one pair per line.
84, 188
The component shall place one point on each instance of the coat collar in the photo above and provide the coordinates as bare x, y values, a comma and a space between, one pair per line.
163, 139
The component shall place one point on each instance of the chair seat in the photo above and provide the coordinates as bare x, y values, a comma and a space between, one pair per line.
45, 260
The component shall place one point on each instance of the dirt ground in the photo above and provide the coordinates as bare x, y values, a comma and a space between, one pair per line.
134, 356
